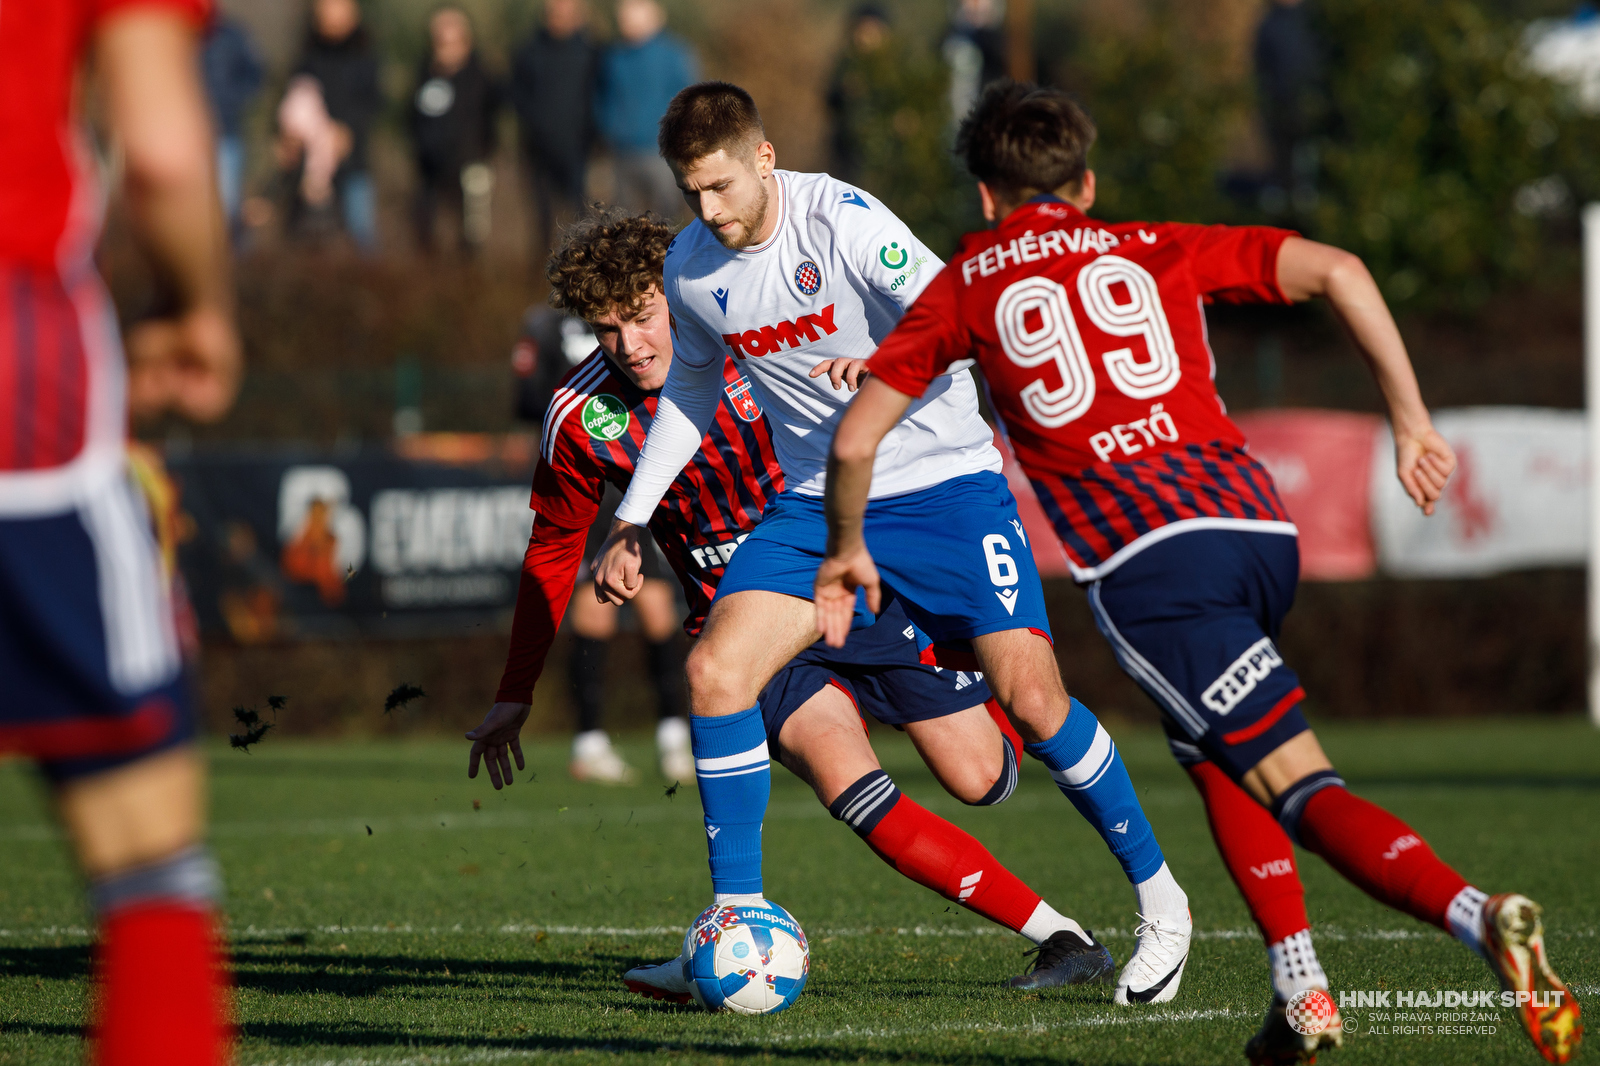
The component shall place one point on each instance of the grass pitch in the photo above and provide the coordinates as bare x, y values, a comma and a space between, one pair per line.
385, 910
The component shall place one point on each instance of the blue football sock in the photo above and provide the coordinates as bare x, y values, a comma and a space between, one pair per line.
1089, 771
735, 777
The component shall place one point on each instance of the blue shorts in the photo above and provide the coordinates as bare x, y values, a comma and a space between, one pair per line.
882, 668
1193, 619
955, 555
88, 653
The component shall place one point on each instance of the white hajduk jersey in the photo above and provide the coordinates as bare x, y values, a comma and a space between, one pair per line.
831, 282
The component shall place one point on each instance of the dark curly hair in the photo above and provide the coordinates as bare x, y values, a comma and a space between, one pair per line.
607, 262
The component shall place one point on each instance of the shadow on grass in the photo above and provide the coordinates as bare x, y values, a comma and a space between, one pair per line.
840, 1049
60, 963
351, 974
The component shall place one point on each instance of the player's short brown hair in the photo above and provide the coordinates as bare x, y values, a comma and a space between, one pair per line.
607, 262
1022, 140
707, 117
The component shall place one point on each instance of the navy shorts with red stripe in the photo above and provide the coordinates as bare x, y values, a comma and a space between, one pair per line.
882, 668
1194, 619
92, 676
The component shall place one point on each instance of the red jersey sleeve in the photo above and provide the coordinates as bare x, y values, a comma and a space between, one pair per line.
568, 484
548, 569
1235, 264
926, 341
198, 12
567, 492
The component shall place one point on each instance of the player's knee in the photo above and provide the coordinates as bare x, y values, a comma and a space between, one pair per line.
1038, 708
1002, 784
709, 678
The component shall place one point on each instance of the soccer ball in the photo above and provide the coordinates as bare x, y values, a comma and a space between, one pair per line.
748, 959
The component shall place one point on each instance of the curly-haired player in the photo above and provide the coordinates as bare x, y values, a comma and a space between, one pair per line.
606, 263
608, 269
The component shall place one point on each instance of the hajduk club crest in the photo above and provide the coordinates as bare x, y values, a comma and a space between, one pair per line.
807, 278
743, 401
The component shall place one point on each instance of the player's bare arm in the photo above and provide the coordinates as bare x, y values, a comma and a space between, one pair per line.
189, 363
1306, 269
848, 565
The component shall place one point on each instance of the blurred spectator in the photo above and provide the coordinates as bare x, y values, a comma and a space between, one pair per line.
232, 71
975, 51
638, 78
453, 126
552, 89
551, 343
310, 141
1288, 61
851, 92
339, 56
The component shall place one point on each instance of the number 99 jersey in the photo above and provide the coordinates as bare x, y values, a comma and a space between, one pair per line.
1092, 339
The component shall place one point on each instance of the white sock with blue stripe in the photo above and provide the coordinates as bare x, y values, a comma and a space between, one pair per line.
1089, 771
735, 779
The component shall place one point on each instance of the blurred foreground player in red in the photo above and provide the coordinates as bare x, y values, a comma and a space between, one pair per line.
1092, 340
93, 680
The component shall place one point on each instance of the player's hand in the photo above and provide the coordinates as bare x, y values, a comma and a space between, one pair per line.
1424, 463
497, 740
616, 575
850, 372
189, 364
835, 592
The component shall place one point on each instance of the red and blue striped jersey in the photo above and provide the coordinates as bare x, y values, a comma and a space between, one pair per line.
592, 437
1092, 341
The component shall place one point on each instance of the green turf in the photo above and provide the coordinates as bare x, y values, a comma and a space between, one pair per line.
455, 935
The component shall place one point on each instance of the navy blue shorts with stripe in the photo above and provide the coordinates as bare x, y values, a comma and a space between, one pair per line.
881, 669
1194, 620
88, 654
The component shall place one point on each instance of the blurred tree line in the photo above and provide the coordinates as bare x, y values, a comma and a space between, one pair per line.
1443, 161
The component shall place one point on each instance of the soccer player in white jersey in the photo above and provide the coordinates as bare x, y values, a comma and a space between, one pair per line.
798, 276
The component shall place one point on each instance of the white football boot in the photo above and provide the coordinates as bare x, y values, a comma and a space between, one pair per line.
672, 741
664, 981
594, 759
1156, 968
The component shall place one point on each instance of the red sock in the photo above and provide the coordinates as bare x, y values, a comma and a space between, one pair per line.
937, 855
1380, 854
162, 989
1007, 730
1257, 853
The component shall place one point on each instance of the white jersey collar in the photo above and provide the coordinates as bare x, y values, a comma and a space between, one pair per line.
777, 231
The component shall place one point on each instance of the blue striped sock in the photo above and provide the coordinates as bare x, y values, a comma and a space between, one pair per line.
735, 777
1089, 771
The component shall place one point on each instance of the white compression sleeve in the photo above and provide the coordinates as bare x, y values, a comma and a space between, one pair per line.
688, 404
